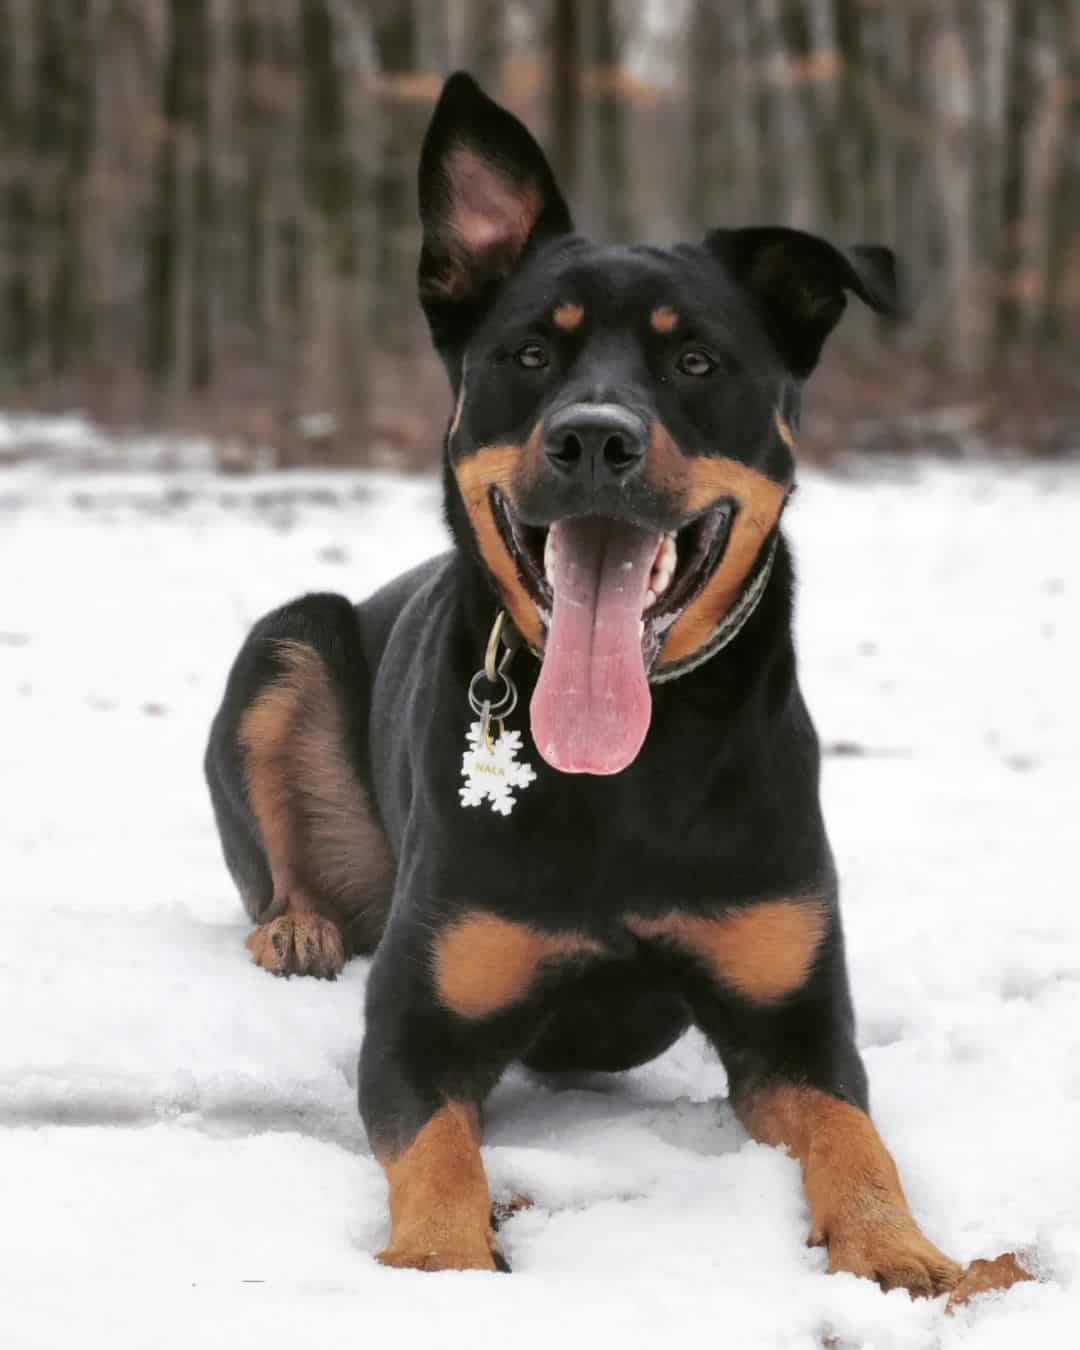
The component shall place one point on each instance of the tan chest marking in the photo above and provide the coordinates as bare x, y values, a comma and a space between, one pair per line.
483, 964
762, 953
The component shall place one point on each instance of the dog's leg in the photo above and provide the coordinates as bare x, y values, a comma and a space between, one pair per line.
440, 1207
422, 1081
285, 766
857, 1206
797, 1081
449, 1005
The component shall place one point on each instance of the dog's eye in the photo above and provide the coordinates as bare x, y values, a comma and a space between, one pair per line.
532, 356
696, 363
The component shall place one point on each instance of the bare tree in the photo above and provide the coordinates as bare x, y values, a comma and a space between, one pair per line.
208, 207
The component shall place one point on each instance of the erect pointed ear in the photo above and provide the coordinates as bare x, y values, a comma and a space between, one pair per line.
800, 282
486, 195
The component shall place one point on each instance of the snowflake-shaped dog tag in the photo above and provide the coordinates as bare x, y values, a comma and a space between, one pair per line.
491, 770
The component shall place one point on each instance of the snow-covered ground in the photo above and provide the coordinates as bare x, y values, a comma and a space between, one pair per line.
181, 1159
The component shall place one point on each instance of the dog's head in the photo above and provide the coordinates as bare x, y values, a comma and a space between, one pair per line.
621, 447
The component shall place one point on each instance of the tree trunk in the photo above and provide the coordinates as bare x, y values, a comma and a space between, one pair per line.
400, 122
565, 94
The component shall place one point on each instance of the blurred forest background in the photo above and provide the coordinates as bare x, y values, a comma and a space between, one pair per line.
207, 207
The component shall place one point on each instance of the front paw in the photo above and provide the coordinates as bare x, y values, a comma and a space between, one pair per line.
299, 944
987, 1277
888, 1248
456, 1253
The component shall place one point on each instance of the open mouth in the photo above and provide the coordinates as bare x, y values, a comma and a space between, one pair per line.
680, 568
607, 591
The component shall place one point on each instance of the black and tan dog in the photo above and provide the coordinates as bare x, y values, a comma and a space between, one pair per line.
616, 467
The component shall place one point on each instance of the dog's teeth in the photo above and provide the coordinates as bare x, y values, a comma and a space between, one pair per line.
549, 555
650, 597
641, 628
663, 568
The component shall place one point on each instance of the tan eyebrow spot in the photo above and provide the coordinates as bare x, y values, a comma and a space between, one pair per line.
568, 316
663, 319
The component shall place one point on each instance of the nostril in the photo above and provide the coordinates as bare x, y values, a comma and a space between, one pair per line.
622, 453
616, 454
570, 451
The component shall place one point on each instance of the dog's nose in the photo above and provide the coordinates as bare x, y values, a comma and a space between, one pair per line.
599, 442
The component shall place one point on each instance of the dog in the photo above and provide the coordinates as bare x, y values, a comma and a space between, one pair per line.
647, 851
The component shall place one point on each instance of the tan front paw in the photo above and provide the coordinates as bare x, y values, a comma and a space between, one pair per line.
299, 944
890, 1251
458, 1253
987, 1277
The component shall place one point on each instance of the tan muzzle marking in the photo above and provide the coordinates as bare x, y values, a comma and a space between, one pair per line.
696, 483
504, 467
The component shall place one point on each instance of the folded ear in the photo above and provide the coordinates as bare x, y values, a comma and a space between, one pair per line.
486, 195
800, 282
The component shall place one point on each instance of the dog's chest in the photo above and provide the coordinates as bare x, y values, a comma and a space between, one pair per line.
484, 964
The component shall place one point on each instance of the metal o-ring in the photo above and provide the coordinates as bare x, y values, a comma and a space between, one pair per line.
506, 703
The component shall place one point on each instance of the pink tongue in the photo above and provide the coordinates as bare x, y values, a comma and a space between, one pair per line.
592, 705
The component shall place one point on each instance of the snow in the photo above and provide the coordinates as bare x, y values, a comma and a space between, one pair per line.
70, 441
183, 1163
